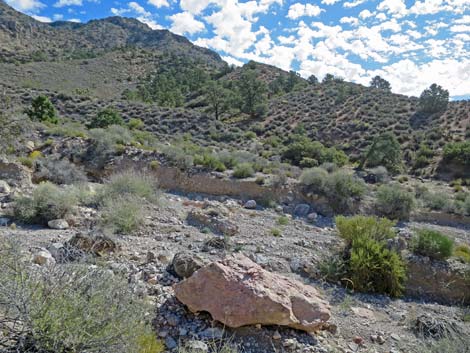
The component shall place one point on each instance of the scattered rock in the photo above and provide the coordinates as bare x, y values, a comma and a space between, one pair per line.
185, 264
429, 326
213, 220
301, 210
238, 292
197, 347
4, 221
250, 205
170, 343
364, 313
59, 224
4, 187
97, 245
312, 217
43, 258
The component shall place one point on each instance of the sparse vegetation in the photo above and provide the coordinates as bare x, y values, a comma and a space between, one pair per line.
69, 309
48, 202
105, 118
433, 244
394, 202
243, 170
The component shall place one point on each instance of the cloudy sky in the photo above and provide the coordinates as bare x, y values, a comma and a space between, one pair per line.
411, 43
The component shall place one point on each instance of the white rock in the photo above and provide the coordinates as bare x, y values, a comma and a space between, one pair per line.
250, 204
60, 224
4, 187
43, 258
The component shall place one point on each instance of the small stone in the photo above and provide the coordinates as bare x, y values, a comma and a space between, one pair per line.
197, 347
312, 217
4, 187
43, 258
250, 205
4, 221
59, 224
301, 210
212, 333
151, 256
170, 343
185, 264
164, 258
276, 335
380, 339
358, 340
395, 337
258, 326
374, 338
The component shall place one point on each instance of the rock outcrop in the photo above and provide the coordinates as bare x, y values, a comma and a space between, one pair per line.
238, 292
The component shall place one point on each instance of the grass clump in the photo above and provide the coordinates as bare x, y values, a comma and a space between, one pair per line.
394, 202
462, 252
69, 308
243, 170
433, 244
283, 220
48, 202
340, 188
122, 201
367, 264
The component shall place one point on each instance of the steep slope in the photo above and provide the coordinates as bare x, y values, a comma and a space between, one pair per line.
101, 58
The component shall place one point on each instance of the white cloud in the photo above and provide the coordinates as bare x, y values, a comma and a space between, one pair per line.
159, 3
394, 7
299, 10
63, 3
195, 6
74, 20
329, 2
185, 23
460, 28
139, 9
365, 14
351, 20
355, 3
26, 5
42, 18
58, 17
232, 61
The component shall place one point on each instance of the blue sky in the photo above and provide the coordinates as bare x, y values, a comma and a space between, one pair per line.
411, 43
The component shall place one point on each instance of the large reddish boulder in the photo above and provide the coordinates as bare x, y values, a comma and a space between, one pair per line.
238, 292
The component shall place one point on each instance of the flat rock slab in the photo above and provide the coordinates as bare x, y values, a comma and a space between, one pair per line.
237, 292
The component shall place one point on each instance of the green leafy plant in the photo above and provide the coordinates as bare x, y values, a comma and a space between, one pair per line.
105, 118
462, 252
243, 170
42, 110
433, 244
368, 265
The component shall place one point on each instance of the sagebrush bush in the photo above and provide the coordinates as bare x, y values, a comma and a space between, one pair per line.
462, 252
59, 171
340, 188
394, 202
122, 214
368, 265
379, 229
47, 202
433, 244
71, 308
130, 183
437, 201
105, 118
243, 170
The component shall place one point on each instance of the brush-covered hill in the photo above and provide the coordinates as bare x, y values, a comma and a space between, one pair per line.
173, 86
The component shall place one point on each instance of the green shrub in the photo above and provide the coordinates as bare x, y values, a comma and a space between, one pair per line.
48, 202
130, 183
394, 202
300, 148
462, 252
340, 188
370, 266
71, 308
457, 152
122, 215
433, 244
350, 228
437, 201
135, 124
105, 118
384, 151
210, 161
283, 220
276, 232
373, 268
243, 170
42, 110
